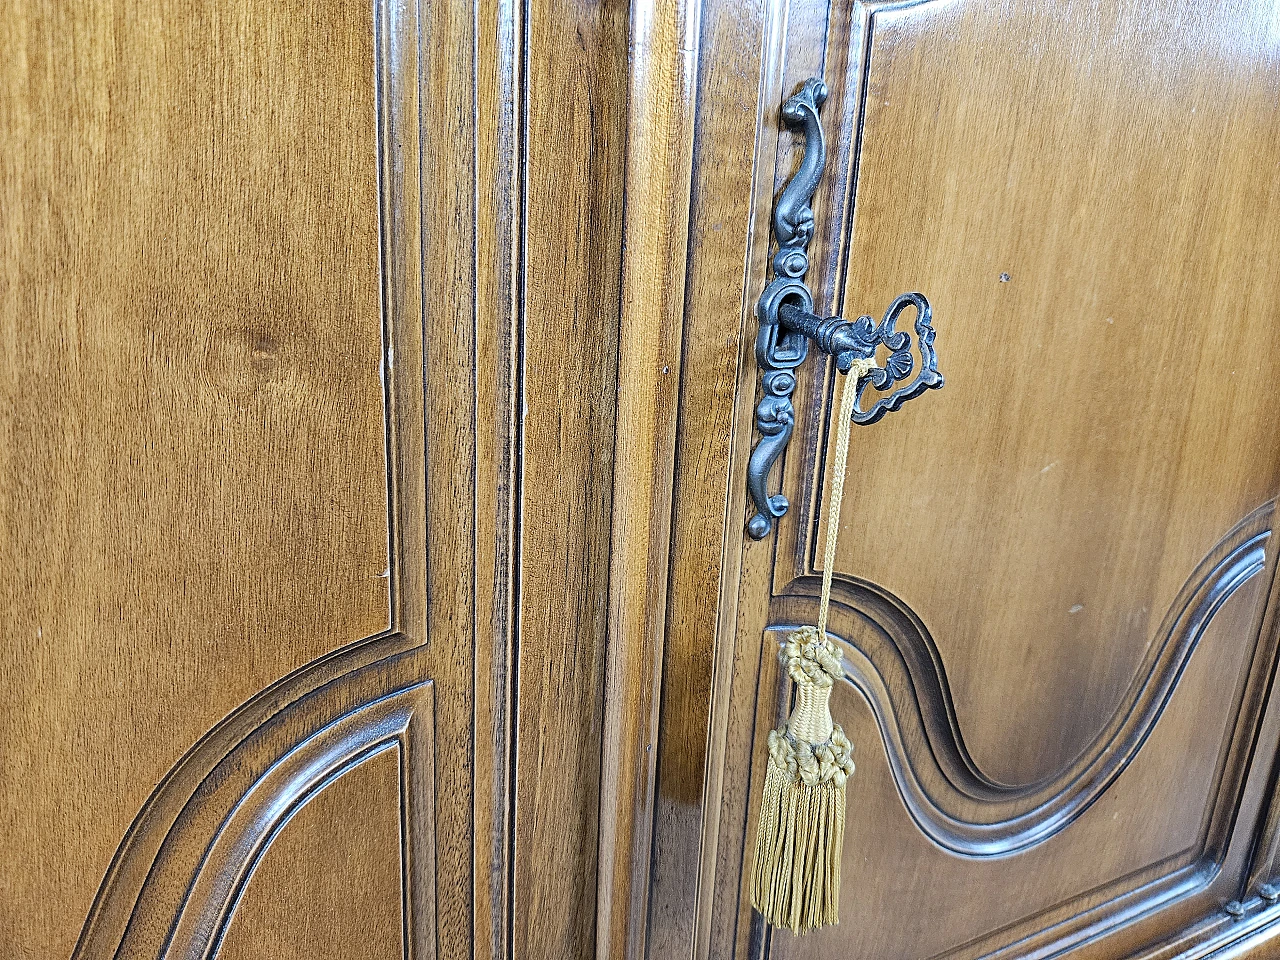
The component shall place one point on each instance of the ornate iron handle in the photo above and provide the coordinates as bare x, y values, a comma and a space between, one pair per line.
788, 323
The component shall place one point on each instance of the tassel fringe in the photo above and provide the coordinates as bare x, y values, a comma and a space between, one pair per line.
796, 883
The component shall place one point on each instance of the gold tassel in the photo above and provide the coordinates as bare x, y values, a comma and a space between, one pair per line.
795, 880
800, 834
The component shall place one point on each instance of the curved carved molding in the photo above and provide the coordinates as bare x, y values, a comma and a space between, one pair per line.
892, 660
322, 716
248, 830
176, 879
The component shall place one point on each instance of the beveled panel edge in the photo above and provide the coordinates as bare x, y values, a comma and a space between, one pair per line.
1202, 893
398, 86
397, 81
246, 833
119, 894
892, 660
1222, 937
190, 888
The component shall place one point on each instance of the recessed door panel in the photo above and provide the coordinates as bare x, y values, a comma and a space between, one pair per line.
193, 471
1054, 575
1090, 202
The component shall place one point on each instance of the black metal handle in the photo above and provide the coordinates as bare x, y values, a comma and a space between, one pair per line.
788, 323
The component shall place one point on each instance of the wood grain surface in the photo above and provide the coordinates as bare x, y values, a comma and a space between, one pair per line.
1108, 414
376, 393
356, 912
664, 58
191, 476
213, 207
574, 138
1078, 196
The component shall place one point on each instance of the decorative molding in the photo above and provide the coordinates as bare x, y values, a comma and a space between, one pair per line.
400, 720
892, 660
147, 890
177, 903
895, 666
182, 794
663, 66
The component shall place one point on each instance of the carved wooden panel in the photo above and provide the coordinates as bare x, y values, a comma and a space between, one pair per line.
192, 415
355, 391
1100, 432
309, 410
1053, 586
227, 828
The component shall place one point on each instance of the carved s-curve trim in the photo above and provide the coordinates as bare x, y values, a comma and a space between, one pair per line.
897, 667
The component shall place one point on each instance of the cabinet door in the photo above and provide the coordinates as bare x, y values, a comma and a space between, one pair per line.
1053, 588
289, 459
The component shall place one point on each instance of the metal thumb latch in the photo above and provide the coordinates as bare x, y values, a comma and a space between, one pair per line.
788, 323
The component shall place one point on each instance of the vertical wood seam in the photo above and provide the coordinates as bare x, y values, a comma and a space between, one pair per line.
659, 158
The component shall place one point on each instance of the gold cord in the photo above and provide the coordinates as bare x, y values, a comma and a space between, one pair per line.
848, 397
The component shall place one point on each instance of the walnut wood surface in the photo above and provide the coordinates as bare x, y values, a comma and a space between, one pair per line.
664, 47
356, 912
215, 203
1065, 145
702, 559
574, 139
1104, 423
193, 485
377, 392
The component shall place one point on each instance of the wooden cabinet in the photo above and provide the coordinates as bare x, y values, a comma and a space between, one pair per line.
308, 447
1053, 587
378, 391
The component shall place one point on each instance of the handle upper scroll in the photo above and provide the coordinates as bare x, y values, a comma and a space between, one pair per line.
792, 215
788, 323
